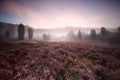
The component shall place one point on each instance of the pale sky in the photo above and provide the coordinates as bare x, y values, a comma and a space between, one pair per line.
50, 14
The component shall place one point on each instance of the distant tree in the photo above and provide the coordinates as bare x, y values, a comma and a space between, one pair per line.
119, 29
49, 36
46, 36
93, 34
21, 32
103, 31
71, 35
79, 35
7, 34
30, 33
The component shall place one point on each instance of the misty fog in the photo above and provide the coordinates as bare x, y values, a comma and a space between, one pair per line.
57, 34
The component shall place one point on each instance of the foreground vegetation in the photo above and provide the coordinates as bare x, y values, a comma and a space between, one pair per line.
59, 61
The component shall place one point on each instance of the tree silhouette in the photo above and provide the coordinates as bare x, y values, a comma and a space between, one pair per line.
46, 37
30, 33
103, 31
93, 34
7, 34
21, 32
119, 29
71, 35
79, 35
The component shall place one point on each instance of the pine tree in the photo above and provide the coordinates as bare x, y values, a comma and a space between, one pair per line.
103, 31
21, 32
30, 33
7, 34
79, 35
93, 34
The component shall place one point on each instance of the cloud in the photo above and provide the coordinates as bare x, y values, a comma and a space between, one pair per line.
12, 7
22, 11
52, 15
18, 9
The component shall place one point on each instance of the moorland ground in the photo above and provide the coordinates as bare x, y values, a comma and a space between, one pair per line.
59, 61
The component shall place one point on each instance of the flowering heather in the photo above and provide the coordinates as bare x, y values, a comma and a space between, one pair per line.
59, 61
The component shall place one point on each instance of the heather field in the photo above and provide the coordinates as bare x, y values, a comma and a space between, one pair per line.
59, 61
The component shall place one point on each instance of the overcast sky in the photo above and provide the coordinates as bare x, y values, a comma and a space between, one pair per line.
61, 13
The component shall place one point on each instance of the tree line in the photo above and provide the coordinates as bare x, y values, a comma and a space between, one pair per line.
104, 35
21, 33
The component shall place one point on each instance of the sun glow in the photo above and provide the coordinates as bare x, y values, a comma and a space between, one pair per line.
48, 14
66, 21
56, 21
